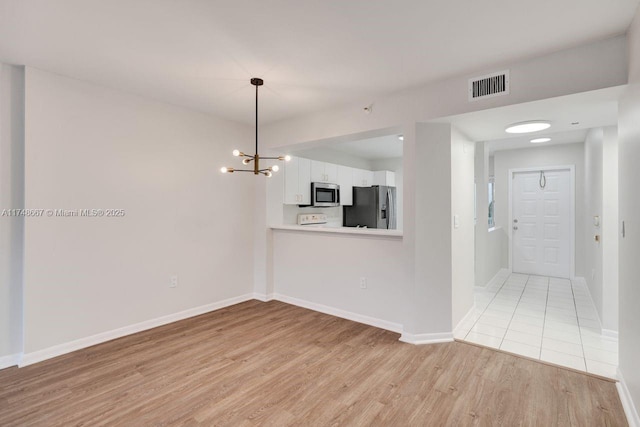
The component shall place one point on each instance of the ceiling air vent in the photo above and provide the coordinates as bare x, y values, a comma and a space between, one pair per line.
488, 86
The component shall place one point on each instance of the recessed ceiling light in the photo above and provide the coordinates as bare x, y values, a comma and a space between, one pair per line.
401, 138
540, 140
527, 127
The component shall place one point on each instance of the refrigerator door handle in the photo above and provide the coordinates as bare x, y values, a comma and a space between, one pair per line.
389, 212
390, 208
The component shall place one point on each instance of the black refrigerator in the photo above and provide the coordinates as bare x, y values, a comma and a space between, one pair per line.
373, 207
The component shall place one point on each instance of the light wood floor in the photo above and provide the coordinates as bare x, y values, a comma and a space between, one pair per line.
275, 364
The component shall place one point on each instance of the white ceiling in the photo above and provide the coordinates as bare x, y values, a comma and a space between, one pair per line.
567, 137
313, 54
570, 116
383, 147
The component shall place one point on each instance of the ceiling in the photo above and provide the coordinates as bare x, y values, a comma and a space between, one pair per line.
313, 54
557, 138
383, 147
571, 116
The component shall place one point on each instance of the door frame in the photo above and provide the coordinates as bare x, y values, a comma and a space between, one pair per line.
572, 185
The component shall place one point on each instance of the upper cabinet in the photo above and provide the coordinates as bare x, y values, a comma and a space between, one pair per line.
299, 173
362, 178
345, 181
384, 178
297, 181
324, 172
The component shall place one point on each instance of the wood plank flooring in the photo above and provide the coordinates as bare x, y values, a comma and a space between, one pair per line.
275, 364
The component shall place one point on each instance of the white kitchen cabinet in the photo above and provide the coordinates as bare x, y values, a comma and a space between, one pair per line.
297, 181
324, 172
331, 171
362, 178
384, 178
345, 181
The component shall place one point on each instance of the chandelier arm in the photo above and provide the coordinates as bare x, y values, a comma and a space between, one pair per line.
256, 157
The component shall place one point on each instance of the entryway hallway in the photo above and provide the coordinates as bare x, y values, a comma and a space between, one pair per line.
545, 318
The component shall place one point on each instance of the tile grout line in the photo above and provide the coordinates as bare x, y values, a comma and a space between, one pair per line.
544, 318
485, 309
514, 310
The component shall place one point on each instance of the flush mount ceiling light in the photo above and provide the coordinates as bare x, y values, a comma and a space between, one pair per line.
540, 140
256, 157
527, 127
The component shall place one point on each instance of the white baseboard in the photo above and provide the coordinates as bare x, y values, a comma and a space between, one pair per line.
502, 271
586, 285
470, 315
371, 321
262, 297
627, 402
60, 349
426, 338
9, 360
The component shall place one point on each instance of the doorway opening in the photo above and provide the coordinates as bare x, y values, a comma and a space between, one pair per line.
546, 226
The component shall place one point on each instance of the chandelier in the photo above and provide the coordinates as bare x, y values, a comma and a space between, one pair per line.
256, 157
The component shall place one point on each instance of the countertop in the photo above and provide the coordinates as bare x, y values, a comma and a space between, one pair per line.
340, 230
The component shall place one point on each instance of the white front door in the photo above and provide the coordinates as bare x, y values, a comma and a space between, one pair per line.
542, 223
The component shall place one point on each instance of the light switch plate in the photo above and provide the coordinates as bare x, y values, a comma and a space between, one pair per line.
456, 221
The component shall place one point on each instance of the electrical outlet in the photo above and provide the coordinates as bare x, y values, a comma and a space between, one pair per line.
173, 283
363, 283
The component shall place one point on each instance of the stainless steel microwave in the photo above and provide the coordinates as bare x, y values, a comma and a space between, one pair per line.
325, 195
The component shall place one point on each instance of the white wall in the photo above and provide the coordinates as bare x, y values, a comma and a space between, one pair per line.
463, 236
335, 157
489, 244
11, 197
629, 247
609, 228
428, 223
552, 155
325, 269
593, 207
481, 174
497, 246
601, 199
556, 74
92, 147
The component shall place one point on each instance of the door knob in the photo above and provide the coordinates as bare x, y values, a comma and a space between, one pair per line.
515, 221
515, 228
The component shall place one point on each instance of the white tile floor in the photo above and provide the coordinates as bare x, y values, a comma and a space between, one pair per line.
544, 318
